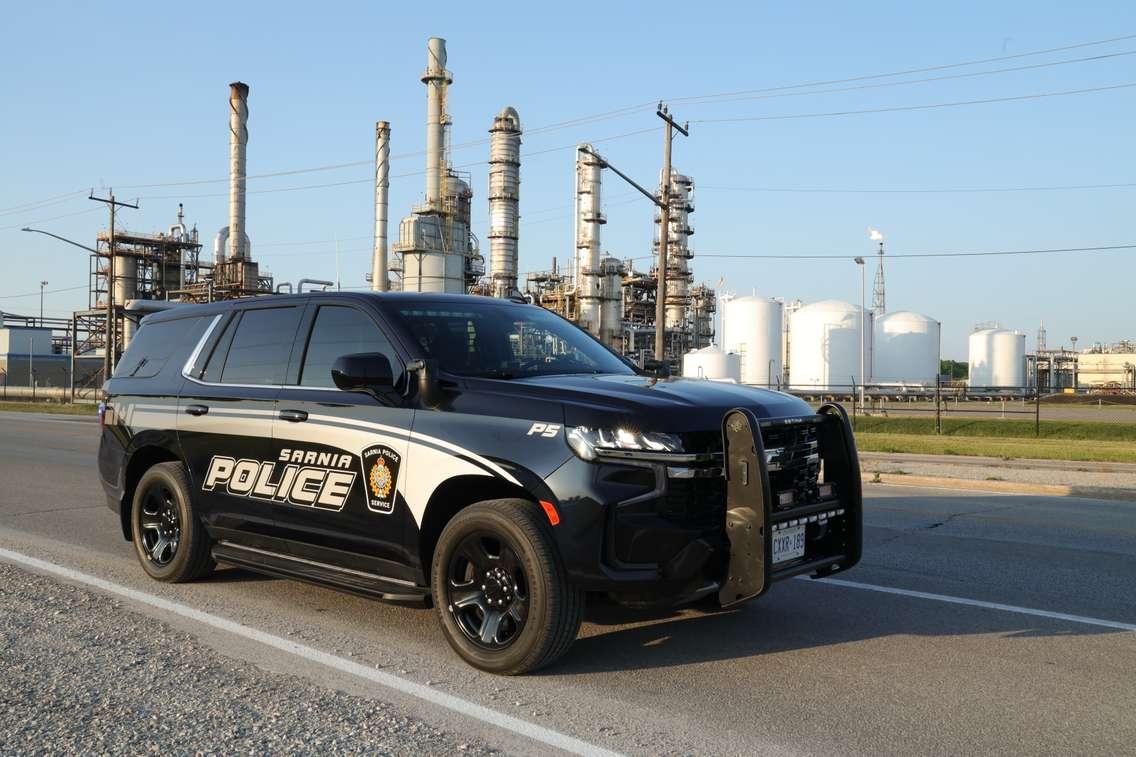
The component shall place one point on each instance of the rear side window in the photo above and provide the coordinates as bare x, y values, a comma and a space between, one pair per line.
261, 346
155, 343
339, 331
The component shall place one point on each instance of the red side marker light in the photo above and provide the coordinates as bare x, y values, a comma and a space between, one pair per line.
550, 511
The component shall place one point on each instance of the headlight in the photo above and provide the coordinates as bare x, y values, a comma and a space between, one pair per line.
588, 443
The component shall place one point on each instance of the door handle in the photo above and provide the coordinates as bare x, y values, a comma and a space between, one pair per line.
197, 409
293, 416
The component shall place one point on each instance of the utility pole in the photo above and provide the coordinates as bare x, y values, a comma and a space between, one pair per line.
111, 347
42, 284
859, 261
669, 127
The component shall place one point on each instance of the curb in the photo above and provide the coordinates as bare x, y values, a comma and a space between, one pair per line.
1002, 487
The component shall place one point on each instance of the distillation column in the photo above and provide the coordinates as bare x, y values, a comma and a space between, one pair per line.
504, 198
589, 219
678, 254
434, 240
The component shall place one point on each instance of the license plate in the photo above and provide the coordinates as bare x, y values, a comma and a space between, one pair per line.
788, 544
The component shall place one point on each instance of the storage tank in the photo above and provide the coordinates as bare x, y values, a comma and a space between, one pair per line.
997, 359
905, 348
824, 346
711, 363
752, 328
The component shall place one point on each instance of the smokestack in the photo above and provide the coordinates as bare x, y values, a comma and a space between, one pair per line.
380, 281
437, 79
588, 222
504, 197
238, 141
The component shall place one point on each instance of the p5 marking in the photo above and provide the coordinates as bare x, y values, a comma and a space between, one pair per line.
547, 430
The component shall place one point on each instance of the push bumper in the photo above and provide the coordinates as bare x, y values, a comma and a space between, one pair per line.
832, 528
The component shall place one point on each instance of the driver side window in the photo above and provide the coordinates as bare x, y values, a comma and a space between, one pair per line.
338, 331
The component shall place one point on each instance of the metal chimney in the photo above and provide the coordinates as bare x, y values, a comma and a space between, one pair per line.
437, 79
504, 197
380, 280
238, 142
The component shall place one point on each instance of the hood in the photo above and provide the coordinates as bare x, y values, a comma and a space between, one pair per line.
672, 405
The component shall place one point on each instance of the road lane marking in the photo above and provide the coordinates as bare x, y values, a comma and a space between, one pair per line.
1083, 620
426, 693
12, 415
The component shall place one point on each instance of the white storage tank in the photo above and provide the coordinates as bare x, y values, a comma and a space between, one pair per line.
905, 349
997, 359
824, 346
752, 328
711, 363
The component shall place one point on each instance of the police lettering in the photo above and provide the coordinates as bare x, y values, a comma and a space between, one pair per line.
309, 479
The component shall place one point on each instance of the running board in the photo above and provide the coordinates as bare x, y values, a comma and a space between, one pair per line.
323, 574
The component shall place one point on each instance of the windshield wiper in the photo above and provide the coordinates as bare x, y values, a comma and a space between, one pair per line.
495, 374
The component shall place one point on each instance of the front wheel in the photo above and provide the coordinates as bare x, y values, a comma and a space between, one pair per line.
502, 596
169, 539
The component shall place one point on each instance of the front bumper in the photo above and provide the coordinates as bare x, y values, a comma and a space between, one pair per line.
662, 533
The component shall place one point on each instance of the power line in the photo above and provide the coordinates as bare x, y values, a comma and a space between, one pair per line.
898, 108
45, 220
36, 293
260, 245
370, 179
927, 69
37, 204
937, 190
881, 85
910, 255
619, 112
642, 106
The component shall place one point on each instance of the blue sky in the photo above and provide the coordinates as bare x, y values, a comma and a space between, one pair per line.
136, 93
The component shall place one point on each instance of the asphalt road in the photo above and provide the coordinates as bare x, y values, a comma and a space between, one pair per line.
811, 668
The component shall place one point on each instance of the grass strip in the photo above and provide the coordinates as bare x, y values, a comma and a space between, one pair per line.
1007, 448
60, 408
1001, 428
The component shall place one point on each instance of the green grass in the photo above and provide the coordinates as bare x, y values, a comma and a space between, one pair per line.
49, 407
1000, 428
1009, 448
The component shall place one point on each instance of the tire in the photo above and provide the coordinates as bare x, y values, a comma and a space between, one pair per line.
522, 581
169, 539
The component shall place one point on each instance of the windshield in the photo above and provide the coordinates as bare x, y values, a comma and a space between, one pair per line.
502, 340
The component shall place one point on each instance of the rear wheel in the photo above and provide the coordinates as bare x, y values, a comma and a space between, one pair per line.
502, 595
169, 539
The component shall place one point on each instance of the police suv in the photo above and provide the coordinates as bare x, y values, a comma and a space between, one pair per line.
484, 455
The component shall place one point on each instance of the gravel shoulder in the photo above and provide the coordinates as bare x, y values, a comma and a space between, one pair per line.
81, 674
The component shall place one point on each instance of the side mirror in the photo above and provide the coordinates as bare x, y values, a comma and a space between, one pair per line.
362, 371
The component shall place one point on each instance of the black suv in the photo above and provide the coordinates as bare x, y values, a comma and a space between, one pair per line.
488, 455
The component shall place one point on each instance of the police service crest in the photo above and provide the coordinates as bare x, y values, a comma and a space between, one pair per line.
380, 471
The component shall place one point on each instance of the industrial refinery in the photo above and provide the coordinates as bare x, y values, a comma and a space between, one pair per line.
816, 348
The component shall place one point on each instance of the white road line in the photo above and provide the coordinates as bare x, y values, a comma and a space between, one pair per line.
32, 418
420, 691
979, 603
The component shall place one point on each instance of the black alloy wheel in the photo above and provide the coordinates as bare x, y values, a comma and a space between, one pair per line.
487, 591
502, 595
170, 540
161, 525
